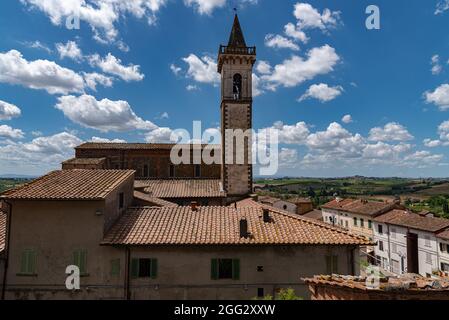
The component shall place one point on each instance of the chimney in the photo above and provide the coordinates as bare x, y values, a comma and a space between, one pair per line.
266, 216
194, 206
243, 228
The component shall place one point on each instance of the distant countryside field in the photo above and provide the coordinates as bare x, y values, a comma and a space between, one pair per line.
7, 183
417, 194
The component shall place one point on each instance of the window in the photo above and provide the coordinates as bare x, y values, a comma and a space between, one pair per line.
260, 293
347, 224
370, 224
285, 207
237, 86
197, 169
395, 266
393, 233
146, 171
394, 248
80, 260
115, 268
444, 267
355, 222
381, 245
332, 264
427, 241
380, 229
362, 223
172, 171
222, 269
428, 258
144, 268
442, 247
259, 268
28, 262
121, 200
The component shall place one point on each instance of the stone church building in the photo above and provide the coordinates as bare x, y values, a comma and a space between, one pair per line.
139, 227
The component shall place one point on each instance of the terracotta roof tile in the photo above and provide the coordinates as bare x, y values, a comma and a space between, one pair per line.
2, 231
71, 185
152, 201
299, 200
415, 221
129, 146
370, 208
186, 188
404, 283
444, 235
85, 161
220, 226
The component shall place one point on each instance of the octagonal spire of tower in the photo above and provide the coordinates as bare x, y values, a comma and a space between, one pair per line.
236, 39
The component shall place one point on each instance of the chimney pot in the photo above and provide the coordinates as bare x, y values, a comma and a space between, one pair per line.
194, 206
243, 228
266, 216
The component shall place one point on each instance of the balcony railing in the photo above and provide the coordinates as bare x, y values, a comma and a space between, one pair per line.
236, 50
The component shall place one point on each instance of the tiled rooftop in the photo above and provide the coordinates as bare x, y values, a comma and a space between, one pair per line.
369, 208
444, 235
299, 200
402, 283
85, 161
129, 146
71, 185
152, 201
2, 231
220, 226
412, 220
182, 188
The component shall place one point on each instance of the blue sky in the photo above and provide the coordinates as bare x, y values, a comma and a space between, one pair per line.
135, 73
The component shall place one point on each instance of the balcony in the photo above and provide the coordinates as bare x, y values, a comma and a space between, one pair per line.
236, 50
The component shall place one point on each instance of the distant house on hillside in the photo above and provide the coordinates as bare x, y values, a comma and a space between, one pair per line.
298, 206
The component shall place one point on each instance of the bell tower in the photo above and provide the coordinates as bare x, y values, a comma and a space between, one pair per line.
235, 64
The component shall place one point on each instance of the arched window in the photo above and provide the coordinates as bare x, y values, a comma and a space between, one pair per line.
237, 86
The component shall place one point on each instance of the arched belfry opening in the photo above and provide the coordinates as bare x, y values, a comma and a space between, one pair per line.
237, 86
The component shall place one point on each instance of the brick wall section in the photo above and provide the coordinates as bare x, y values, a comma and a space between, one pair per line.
158, 162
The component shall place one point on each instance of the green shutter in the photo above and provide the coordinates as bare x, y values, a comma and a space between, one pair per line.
24, 262
335, 264
328, 265
214, 269
76, 259
83, 262
80, 260
115, 267
153, 268
135, 268
31, 262
236, 269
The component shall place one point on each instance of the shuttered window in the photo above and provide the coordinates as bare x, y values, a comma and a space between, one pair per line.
28, 261
80, 260
115, 268
332, 264
222, 269
144, 268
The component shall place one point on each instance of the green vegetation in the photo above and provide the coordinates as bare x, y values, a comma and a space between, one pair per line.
417, 194
283, 294
6, 184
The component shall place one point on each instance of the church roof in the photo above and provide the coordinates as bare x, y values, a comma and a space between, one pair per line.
236, 39
220, 226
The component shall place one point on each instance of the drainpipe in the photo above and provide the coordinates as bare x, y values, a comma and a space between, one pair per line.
8, 238
127, 272
389, 249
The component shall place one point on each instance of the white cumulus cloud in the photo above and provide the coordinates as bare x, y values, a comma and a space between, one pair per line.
8, 110
114, 66
322, 92
104, 115
392, 131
